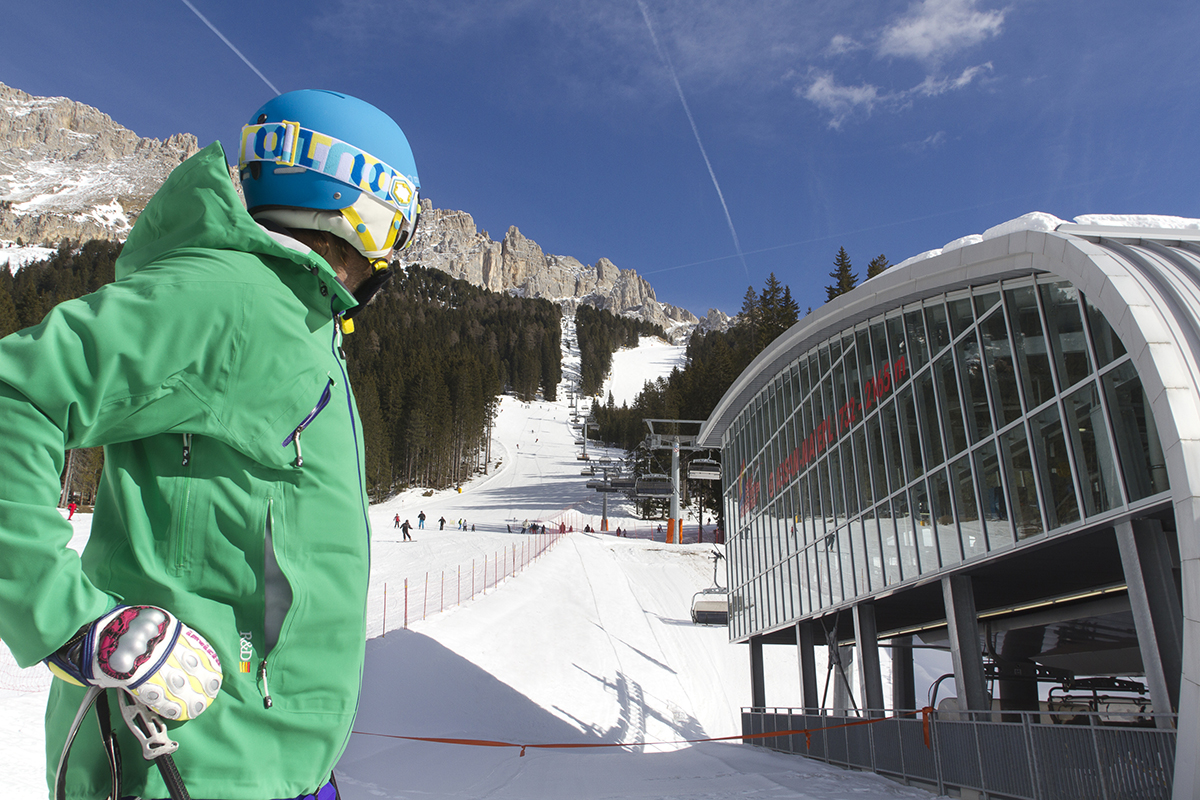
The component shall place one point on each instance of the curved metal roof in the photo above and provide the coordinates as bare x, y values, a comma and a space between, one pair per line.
1150, 252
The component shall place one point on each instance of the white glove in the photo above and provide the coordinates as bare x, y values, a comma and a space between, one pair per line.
149, 653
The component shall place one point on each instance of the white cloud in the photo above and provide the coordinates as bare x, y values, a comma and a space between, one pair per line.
931, 30
933, 86
838, 100
840, 44
931, 142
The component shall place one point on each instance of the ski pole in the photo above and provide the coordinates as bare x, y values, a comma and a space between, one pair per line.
148, 728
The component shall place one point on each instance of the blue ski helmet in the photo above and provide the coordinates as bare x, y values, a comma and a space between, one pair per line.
327, 161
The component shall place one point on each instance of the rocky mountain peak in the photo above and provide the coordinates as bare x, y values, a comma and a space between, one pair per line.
68, 171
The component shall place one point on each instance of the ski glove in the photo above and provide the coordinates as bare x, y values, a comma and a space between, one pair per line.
149, 653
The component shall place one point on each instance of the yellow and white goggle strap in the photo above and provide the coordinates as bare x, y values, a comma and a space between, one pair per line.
294, 148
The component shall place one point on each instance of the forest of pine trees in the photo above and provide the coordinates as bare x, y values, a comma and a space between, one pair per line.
429, 359
430, 356
26, 297
602, 333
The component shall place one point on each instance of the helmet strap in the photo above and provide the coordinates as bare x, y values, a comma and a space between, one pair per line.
370, 287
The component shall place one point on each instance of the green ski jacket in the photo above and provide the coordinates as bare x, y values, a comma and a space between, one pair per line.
232, 493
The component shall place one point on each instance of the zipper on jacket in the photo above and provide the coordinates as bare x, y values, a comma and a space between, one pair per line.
294, 437
262, 677
181, 538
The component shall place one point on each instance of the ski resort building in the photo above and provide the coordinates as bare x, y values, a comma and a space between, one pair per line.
994, 451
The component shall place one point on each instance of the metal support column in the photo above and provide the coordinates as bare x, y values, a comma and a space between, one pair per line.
806, 641
674, 523
904, 683
870, 677
1157, 613
758, 682
963, 624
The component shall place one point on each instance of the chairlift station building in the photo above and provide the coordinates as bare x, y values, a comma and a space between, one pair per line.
995, 449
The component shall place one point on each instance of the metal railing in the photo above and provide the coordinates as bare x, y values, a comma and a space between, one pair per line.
1017, 755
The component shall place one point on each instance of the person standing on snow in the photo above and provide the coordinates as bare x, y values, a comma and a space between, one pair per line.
71, 509
396, 521
442, 524
200, 370
405, 528
421, 520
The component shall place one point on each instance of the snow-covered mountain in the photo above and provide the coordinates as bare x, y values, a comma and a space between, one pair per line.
451, 242
69, 171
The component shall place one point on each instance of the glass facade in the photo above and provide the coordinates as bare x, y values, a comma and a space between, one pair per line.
934, 435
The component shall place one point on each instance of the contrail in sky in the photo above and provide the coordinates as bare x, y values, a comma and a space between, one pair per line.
695, 131
213, 28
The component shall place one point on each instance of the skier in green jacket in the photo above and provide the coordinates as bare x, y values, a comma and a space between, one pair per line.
224, 582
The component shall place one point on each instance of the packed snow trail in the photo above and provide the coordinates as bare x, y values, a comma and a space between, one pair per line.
591, 642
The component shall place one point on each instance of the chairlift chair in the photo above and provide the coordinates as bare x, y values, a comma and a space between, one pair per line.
711, 606
704, 469
653, 485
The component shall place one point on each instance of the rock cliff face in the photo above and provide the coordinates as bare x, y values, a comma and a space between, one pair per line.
451, 242
69, 171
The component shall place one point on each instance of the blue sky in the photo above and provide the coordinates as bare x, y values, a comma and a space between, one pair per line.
704, 144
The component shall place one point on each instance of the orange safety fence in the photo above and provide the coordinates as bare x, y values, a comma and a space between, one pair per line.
806, 732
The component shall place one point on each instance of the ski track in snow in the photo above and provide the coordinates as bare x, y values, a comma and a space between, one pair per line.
591, 643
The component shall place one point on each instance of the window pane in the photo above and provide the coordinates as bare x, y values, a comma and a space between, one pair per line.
918, 345
887, 536
862, 571
972, 538
1061, 301
891, 446
952, 418
927, 410
939, 329
849, 477
941, 515
1054, 468
995, 507
895, 331
1021, 485
1093, 451
909, 567
862, 343
874, 551
910, 440
862, 467
984, 303
838, 497
970, 371
961, 317
839, 578
878, 464
1001, 371
922, 517
1142, 460
1033, 358
1104, 338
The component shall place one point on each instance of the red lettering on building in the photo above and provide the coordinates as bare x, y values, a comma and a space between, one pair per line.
826, 432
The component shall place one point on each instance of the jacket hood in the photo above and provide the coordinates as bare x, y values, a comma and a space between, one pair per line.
198, 207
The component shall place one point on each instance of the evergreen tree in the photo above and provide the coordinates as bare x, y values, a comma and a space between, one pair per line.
878, 264
844, 278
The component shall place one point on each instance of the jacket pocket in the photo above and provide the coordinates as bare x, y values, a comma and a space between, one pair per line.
293, 438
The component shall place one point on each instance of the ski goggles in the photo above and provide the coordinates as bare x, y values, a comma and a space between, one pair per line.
385, 213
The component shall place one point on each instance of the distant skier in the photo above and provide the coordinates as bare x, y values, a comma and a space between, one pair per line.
71, 509
405, 528
442, 524
421, 520
397, 522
